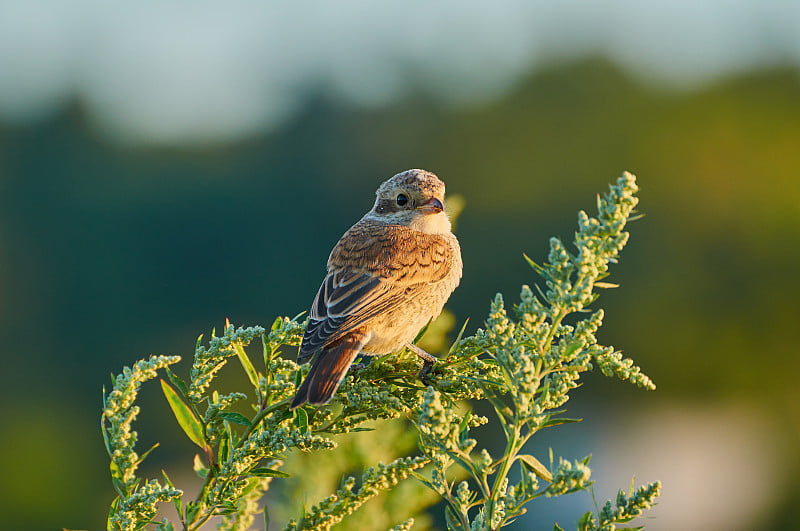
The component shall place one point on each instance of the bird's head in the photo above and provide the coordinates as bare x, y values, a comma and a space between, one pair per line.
414, 198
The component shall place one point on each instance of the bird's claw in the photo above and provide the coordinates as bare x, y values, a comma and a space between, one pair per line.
426, 372
427, 363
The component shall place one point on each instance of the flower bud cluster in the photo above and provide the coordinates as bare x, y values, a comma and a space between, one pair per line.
270, 442
624, 510
335, 507
569, 477
119, 414
286, 331
612, 363
440, 426
280, 383
140, 506
207, 361
247, 506
404, 526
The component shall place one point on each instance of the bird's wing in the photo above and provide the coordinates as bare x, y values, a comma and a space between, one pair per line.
373, 268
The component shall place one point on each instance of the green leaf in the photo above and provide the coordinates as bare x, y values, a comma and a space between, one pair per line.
542, 294
556, 422
177, 382
463, 428
266, 348
103, 429
298, 378
192, 508
463, 462
116, 479
605, 285
236, 418
112, 510
425, 481
458, 338
453, 523
464, 424
226, 509
301, 419
224, 447
507, 378
199, 467
187, 420
262, 472
502, 410
535, 466
247, 365
484, 381
585, 522
266, 518
557, 527
230, 434
536, 267
422, 332
141, 457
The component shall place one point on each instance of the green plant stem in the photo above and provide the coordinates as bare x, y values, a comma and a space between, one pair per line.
461, 514
260, 416
512, 447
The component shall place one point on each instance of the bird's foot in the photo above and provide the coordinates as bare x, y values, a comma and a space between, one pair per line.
427, 363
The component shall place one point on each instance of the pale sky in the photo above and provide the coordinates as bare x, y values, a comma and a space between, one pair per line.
178, 72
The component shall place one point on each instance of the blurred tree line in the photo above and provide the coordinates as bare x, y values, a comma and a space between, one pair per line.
109, 253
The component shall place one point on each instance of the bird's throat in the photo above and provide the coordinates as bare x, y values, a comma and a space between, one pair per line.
431, 223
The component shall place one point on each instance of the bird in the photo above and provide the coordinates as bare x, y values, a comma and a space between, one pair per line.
387, 277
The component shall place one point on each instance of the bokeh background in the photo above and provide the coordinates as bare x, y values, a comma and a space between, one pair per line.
165, 165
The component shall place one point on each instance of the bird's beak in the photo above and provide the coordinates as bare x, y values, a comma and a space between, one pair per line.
431, 206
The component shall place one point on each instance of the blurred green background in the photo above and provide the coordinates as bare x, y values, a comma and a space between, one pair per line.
164, 166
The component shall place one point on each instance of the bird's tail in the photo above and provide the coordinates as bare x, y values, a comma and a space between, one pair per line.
328, 371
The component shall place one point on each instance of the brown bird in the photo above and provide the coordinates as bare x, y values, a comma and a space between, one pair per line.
387, 277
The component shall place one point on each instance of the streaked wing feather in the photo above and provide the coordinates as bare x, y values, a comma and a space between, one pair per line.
373, 268
321, 333
334, 308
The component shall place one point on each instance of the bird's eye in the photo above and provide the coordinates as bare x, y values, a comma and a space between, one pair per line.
402, 199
